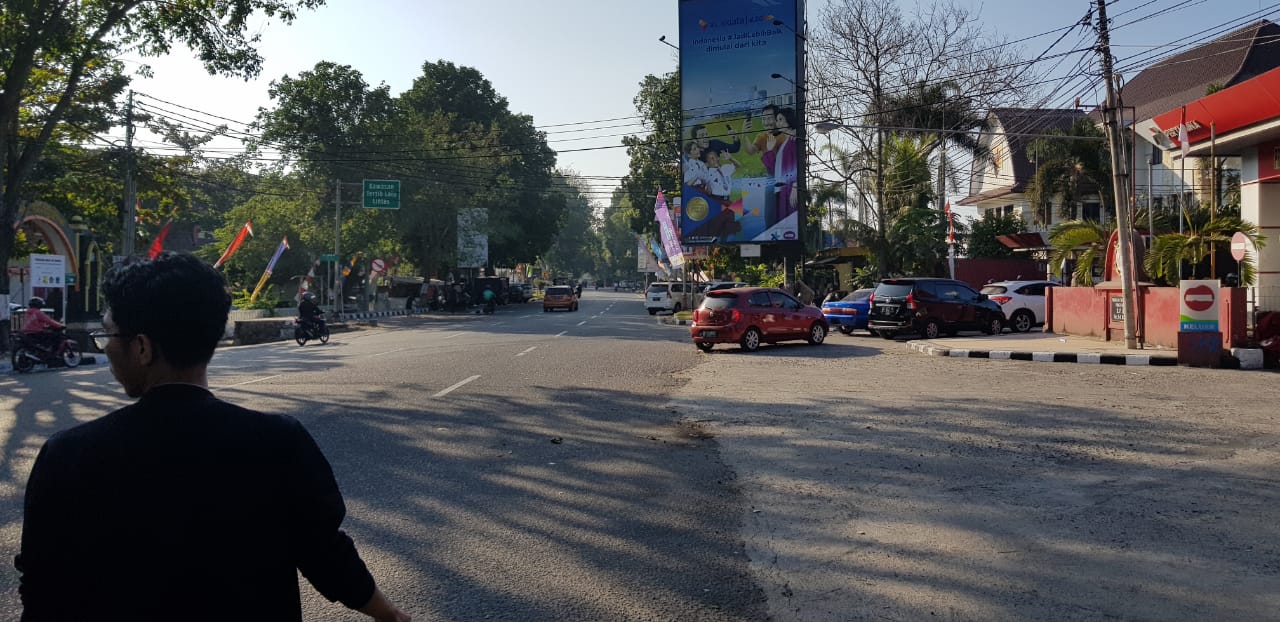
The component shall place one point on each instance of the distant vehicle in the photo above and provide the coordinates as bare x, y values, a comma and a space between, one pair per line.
750, 316
1021, 301
712, 286
559, 297
520, 293
930, 308
850, 312
673, 296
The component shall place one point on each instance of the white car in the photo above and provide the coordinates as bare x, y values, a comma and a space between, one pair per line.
673, 296
714, 285
1022, 302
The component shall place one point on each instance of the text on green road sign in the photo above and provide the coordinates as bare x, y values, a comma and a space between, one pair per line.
381, 194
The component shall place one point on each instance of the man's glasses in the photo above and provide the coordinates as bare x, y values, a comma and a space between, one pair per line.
101, 338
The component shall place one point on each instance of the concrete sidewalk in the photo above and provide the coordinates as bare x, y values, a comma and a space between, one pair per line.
1055, 348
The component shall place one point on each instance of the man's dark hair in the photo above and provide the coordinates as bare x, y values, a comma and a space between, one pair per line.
768, 107
177, 300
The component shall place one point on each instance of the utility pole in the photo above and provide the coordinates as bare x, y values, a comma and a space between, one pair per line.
130, 192
1119, 184
337, 250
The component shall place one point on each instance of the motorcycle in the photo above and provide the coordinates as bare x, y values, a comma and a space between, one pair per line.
28, 352
303, 332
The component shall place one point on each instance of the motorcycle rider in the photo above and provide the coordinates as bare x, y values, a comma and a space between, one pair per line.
309, 312
39, 328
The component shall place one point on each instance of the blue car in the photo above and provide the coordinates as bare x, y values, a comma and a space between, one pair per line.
850, 312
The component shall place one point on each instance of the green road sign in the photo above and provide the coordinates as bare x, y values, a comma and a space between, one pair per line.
381, 194
71, 279
328, 258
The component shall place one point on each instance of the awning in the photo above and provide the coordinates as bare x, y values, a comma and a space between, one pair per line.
1024, 241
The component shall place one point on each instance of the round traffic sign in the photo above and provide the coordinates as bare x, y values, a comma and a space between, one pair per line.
1239, 245
379, 266
1199, 298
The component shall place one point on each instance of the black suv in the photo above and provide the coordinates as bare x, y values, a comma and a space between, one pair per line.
931, 307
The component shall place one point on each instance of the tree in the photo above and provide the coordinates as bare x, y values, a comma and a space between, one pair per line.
1085, 240
871, 67
54, 59
655, 157
1069, 169
1203, 238
619, 239
577, 247
984, 231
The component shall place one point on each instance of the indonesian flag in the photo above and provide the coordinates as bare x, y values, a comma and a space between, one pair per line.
951, 225
245, 232
157, 245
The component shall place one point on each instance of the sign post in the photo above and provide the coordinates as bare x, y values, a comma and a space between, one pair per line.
381, 194
50, 271
1199, 337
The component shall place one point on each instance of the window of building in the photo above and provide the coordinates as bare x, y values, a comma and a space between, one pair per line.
1091, 211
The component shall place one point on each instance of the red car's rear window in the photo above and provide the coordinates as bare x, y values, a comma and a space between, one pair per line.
720, 299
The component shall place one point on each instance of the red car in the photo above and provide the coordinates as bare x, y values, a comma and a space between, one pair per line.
749, 316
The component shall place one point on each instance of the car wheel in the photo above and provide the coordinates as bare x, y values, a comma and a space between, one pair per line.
995, 326
653, 311
872, 332
932, 330
887, 334
705, 347
676, 309
751, 340
817, 333
546, 310
846, 330
1022, 321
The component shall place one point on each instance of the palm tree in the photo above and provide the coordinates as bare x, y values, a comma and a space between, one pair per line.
1069, 169
1205, 235
1086, 240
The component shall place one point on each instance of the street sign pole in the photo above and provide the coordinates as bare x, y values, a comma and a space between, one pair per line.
337, 249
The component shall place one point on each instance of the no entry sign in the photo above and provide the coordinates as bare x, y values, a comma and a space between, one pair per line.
1198, 306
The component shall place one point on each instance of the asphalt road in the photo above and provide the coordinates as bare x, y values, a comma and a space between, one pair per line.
595, 466
520, 466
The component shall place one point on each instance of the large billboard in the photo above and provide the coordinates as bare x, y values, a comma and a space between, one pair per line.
741, 89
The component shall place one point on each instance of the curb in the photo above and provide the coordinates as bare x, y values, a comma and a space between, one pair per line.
671, 321
1046, 357
371, 315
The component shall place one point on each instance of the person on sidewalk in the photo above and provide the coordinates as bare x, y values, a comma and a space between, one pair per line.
181, 506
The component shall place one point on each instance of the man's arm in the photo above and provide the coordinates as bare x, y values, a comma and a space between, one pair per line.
326, 555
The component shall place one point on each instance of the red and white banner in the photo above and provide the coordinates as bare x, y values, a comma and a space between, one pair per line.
245, 232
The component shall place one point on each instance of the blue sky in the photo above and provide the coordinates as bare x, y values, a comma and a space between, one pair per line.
576, 61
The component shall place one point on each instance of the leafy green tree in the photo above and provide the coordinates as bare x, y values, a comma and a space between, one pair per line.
57, 72
985, 230
1085, 241
577, 247
619, 239
655, 157
1194, 247
1069, 169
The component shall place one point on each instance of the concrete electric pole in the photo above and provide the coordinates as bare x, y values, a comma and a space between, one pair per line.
1120, 184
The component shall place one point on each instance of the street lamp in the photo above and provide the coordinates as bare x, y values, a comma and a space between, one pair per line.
663, 40
778, 22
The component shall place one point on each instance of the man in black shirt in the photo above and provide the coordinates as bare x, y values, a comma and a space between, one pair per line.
181, 506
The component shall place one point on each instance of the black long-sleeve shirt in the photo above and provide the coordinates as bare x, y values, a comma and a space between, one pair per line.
184, 507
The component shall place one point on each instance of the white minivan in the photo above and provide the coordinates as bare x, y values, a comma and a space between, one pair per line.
673, 296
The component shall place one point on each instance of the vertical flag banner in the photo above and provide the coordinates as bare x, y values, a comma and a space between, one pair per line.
157, 245
742, 95
670, 241
271, 265
305, 285
951, 225
245, 232
1182, 135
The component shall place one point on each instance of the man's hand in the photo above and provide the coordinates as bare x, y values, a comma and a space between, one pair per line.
381, 609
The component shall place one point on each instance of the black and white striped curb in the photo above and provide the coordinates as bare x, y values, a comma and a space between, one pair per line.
1046, 357
371, 315
673, 321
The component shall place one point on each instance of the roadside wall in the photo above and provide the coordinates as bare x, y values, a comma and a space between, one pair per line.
1085, 311
979, 272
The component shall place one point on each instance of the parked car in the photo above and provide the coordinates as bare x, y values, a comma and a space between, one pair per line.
714, 285
673, 296
850, 312
931, 307
1021, 301
559, 297
750, 316
519, 293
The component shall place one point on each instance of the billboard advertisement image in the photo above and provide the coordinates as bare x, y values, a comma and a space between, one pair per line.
741, 156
